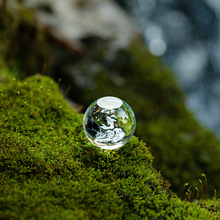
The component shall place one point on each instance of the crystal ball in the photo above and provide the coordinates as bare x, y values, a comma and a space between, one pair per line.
109, 122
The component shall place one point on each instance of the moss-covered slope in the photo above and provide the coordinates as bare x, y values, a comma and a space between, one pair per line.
183, 149
49, 170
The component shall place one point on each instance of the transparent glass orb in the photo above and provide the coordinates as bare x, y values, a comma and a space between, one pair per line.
109, 122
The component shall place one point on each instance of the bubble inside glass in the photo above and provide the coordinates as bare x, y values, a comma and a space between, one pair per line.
109, 122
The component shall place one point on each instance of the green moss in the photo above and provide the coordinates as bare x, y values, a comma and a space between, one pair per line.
49, 170
24, 45
183, 149
5, 75
212, 205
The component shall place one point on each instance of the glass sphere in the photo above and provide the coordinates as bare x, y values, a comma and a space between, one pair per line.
109, 122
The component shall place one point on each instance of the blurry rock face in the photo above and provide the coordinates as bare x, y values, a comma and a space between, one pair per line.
72, 20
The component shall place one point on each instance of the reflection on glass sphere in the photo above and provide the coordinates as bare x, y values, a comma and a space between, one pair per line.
109, 122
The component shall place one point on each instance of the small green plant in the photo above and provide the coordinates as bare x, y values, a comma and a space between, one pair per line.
197, 192
214, 197
207, 203
201, 184
189, 194
206, 184
199, 195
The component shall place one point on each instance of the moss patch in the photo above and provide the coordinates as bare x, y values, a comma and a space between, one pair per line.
183, 149
49, 170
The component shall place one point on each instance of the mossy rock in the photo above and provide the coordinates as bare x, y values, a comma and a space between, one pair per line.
182, 148
49, 170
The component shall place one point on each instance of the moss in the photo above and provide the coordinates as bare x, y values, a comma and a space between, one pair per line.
5, 75
183, 149
211, 205
49, 170
24, 45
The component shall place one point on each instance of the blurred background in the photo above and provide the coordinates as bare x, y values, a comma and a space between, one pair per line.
186, 34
